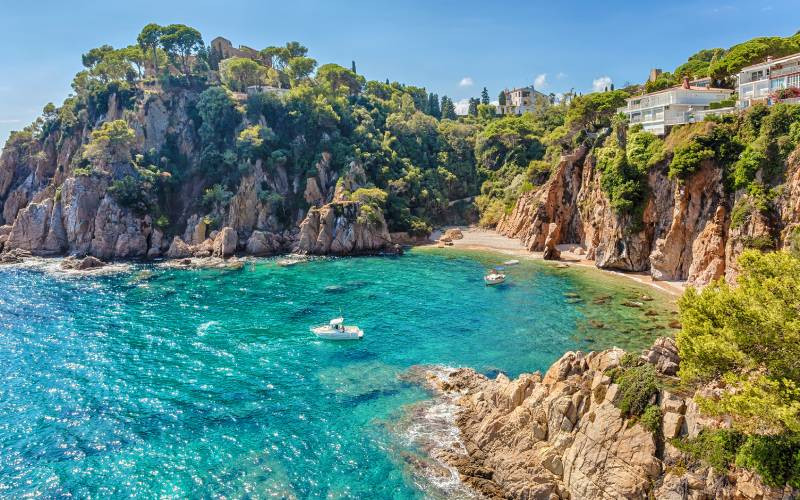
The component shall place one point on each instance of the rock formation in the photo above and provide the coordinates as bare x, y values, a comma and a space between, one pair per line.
562, 436
343, 228
685, 231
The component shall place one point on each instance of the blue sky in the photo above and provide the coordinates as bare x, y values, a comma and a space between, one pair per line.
451, 47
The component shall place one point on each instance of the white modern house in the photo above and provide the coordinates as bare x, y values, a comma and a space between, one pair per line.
686, 103
758, 82
519, 101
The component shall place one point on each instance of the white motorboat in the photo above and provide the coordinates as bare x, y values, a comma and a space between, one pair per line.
494, 278
512, 262
337, 330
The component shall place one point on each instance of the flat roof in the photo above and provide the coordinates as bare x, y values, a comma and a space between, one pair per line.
774, 61
680, 87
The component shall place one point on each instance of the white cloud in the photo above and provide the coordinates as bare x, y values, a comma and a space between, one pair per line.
466, 82
494, 103
600, 84
462, 106
540, 81
561, 75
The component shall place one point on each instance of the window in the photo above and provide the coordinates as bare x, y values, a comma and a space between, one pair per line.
793, 81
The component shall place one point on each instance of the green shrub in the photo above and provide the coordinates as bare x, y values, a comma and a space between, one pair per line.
623, 183
717, 448
651, 419
775, 458
747, 335
637, 386
687, 159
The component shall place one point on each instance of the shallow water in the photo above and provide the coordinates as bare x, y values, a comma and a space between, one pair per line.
206, 383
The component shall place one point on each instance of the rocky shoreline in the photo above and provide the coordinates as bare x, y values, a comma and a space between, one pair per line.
561, 435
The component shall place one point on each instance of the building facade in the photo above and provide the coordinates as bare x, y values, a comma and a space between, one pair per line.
521, 100
762, 82
658, 111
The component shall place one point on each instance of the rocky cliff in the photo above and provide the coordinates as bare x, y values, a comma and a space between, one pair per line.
562, 435
684, 230
54, 201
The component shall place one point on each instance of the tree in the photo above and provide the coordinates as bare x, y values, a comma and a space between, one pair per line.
336, 77
472, 110
501, 98
300, 68
486, 112
433, 106
294, 49
277, 57
111, 143
448, 109
240, 72
484, 96
148, 40
181, 41
219, 116
353, 67
749, 336
134, 55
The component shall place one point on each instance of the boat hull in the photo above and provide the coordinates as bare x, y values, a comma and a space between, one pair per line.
328, 333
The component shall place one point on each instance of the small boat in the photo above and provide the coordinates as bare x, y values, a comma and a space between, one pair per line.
512, 262
337, 330
494, 278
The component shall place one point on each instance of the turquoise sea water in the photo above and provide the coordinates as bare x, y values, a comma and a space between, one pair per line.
176, 383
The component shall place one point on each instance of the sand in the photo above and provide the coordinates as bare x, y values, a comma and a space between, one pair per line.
487, 239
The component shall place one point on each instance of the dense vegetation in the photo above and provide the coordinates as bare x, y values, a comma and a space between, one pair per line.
749, 337
721, 65
409, 142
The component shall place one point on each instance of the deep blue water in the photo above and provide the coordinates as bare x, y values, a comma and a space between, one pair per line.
178, 383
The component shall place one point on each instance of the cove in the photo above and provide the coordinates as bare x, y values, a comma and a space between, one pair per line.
176, 383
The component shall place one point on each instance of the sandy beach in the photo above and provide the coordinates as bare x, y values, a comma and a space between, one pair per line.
486, 239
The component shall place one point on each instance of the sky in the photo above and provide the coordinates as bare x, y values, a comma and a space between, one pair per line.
452, 48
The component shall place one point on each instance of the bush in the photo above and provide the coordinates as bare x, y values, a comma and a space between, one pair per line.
717, 448
687, 159
637, 386
775, 458
651, 419
129, 193
749, 336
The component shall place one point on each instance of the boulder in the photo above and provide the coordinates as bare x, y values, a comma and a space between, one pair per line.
551, 251
178, 249
454, 234
260, 244
225, 243
663, 355
85, 264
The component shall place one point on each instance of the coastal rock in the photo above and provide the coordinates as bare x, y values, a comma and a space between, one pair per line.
225, 243
178, 249
346, 227
84, 264
118, 233
30, 228
663, 355
454, 234
551, 252
260, 244
561, 435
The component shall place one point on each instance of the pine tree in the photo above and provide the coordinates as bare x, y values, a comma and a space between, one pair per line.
387, 81
448, 109
353, 67
433, 105
472, 110
484, 96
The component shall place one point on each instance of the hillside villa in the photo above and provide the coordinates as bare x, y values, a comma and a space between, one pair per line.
519, 101
760, 82
685, 103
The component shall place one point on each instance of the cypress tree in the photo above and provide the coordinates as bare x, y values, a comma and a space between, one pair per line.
484, 96
433, 106
448, 109
353, 67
